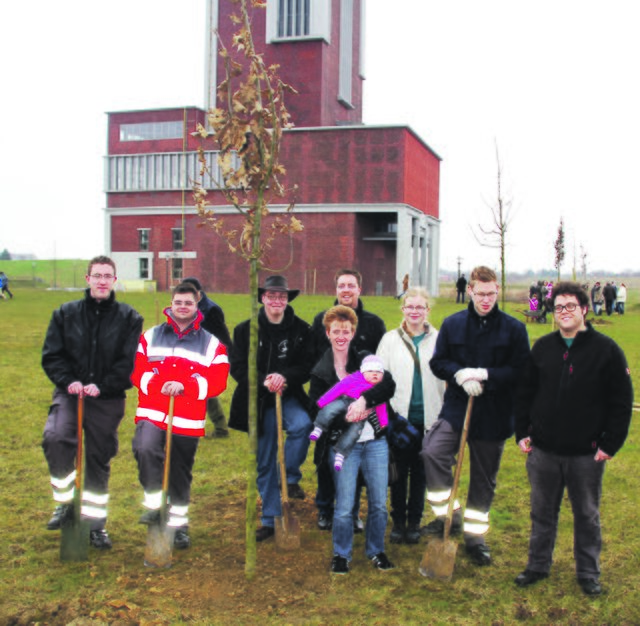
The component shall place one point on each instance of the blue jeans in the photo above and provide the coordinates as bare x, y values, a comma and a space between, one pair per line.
372, 458
297, 424
351, 434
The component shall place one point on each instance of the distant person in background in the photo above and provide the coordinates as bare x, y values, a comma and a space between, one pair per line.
89, 351
405, 286
461, 288
622, 298
533, 303
4, 285
596, 300
609, 294
215, 324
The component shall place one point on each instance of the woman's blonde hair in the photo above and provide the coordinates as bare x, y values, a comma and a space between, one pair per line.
416, 292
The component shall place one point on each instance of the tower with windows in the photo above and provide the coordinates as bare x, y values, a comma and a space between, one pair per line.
368, 195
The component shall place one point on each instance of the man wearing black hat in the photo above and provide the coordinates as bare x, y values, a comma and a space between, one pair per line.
284, 363
214, 323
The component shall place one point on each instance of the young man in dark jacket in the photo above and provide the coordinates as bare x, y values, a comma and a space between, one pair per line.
479, 352
573, 412
89, 350
284, 365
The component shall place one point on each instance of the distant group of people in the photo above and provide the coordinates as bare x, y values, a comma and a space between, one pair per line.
613, 296
361, 377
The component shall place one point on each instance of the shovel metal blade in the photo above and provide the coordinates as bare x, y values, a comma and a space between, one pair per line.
159, 546
287, 529
439, 559
74, 539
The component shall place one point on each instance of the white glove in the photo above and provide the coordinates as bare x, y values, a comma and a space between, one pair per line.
465, 374
472, 387
481, 374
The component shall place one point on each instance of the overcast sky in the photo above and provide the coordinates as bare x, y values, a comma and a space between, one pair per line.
553, 83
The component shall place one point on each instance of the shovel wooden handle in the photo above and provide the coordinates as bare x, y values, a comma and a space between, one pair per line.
283, 469
79, 450
456, 477
167, 460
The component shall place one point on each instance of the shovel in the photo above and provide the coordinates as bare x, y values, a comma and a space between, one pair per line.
287, 526
440, 556
160, 536
74, 536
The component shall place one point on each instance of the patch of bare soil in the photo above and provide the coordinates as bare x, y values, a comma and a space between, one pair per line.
206, 583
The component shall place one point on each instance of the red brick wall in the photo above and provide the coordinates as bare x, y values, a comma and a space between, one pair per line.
329, 241
311, 67
422, 176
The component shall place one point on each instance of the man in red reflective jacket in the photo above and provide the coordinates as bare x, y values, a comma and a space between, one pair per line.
179, 359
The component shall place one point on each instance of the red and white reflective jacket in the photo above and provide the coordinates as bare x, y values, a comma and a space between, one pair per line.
194, 358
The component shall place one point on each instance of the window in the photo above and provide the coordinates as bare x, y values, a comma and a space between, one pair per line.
293, 18
176, 239
345, 95
143, 239
143, 268
296, 19
150, 130
161, 171
176, 269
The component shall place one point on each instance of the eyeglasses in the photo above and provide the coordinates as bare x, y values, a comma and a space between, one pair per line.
418, 309
102, 276
277, 297
482, 296
570, 306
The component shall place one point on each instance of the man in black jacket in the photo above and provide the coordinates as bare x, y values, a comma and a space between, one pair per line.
369, 332
573, 413
284, 366
88, 351
215, 324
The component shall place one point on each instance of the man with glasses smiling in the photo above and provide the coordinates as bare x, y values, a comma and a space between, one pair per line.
573, 411
284, 366
479, 352
89, 350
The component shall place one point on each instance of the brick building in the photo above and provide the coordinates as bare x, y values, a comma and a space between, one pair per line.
368, 195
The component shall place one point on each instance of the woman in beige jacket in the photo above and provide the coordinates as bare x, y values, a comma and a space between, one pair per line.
405, 352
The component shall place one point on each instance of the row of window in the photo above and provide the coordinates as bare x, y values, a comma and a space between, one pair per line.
164, 171
144, 273
177, 239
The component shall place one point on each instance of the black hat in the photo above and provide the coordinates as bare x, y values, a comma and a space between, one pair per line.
277, 283
194, 281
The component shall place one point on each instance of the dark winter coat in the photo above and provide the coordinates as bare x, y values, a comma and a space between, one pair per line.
369, 332
496, 342
284, 348
572, 401
213, 321
92, 341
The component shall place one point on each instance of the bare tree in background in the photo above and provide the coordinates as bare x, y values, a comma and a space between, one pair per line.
583, 263
559, 247
495, 235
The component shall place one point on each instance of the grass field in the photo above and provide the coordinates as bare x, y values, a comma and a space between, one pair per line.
206, 584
